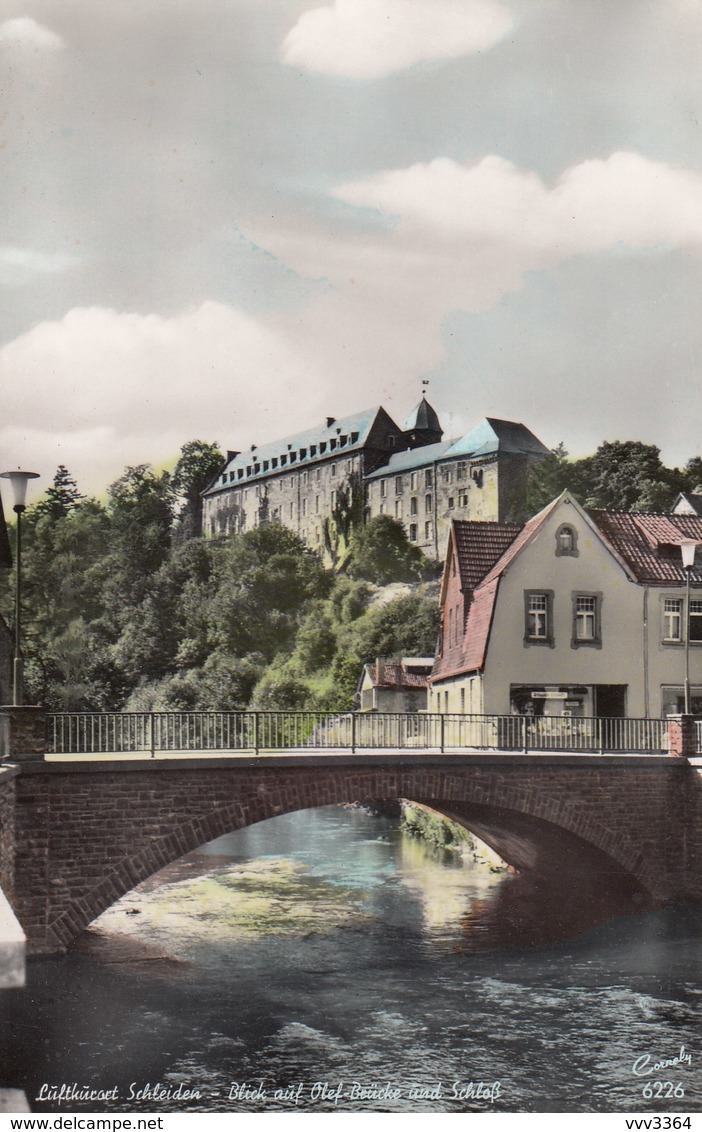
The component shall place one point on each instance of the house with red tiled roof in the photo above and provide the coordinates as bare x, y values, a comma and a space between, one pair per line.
576, 613
395, 685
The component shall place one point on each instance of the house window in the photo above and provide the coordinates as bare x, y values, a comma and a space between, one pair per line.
413, 505
382, 507
586, 620
538, 617
672, 619
413, 532
566, 541
695, 619
304, 507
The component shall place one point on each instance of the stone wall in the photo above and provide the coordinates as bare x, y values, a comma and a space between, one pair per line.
88, 834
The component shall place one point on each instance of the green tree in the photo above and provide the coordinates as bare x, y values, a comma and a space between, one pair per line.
61, 497
381, 553
198, 465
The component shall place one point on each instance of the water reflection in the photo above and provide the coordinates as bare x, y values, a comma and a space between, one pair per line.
321, 947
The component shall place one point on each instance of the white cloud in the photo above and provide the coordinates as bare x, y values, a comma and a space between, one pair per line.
25, 32
21, 265
100, 389
469, 210
368, 39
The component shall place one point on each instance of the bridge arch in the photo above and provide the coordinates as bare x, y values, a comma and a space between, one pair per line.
157, 829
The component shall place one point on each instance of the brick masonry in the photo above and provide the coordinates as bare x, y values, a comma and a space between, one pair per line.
87, 834
7, 830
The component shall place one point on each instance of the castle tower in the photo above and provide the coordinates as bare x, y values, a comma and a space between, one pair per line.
422, 426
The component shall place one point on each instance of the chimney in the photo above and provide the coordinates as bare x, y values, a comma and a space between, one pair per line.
330, 421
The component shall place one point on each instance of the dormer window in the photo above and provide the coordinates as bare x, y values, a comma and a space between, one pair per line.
566, 541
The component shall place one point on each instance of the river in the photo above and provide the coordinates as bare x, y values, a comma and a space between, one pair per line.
322, 961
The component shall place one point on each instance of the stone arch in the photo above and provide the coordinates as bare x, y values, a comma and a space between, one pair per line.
442, 788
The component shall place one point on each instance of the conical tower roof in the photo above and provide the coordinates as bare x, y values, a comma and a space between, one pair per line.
423, 419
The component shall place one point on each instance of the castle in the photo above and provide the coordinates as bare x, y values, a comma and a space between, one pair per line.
319, 483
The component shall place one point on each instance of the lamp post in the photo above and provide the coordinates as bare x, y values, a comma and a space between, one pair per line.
18, 481
687, 549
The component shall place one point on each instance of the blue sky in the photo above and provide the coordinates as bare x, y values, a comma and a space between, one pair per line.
227, 219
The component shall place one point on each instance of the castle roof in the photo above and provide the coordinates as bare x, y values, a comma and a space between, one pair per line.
411, 459
423, 419
338, 437
492, 436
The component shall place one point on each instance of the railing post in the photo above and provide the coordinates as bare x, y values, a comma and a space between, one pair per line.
255, 732
152, 746
525, 734
353, 732
599, 736
441, 720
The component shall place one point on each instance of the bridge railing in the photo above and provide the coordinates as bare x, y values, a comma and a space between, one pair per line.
255, 731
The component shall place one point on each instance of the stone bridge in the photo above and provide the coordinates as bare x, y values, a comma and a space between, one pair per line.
76, 835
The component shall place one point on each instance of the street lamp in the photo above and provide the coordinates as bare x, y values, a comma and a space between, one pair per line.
18, 481
687, 549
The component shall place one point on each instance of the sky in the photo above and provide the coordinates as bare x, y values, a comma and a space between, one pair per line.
228, 219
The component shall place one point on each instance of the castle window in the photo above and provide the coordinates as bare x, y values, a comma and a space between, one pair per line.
333, 469
398, 485
333, 498
461, 470
428, 503
429, 478
305, 478
463, 499
477, 477
304, 506
349, 467
316, 504
319, 473
428, 530
413, 481
451, 503
413, 505
566, 541
413, 532
447, 474
398, 508
383, 488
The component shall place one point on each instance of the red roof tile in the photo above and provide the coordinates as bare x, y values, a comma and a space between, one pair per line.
479, 546
649, 544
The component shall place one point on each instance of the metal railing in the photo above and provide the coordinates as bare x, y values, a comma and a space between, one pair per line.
255, 731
